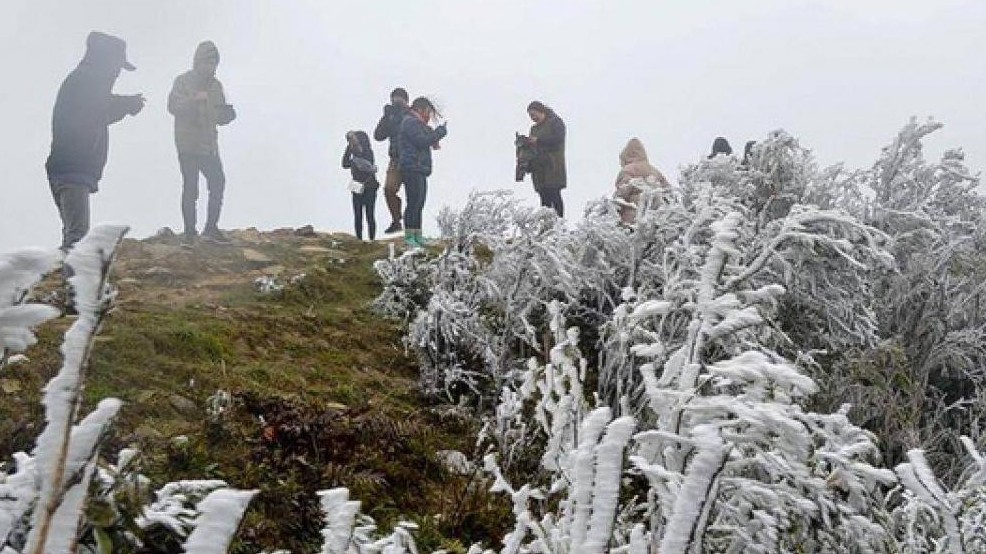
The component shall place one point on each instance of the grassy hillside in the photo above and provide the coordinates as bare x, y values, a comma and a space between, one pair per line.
289, 391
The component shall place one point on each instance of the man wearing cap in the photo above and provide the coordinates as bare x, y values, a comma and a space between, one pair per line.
389, 129
84, 110
199, 104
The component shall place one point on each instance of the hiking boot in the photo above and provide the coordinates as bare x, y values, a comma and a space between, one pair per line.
215, 236
411, 240
395, 227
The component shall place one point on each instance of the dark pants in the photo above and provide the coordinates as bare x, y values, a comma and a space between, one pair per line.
416, 189
365, 202
73, 209
212, 167
551, 198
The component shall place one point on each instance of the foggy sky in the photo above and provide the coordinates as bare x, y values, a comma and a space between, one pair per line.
842, 76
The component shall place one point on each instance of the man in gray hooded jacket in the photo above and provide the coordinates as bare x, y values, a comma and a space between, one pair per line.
199, 104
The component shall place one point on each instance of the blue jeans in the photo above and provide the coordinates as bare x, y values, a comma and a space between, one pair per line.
416, 189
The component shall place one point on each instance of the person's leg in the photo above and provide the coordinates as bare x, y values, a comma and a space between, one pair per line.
391, 185
545, 197
559, 204
369, 204
212, 168
358, 214
414, 187
73, 206
189, 191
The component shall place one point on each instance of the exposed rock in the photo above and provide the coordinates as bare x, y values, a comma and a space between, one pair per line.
311, 249
182, 404
257, 259
306, 231
250, 236
10, 386
164, 233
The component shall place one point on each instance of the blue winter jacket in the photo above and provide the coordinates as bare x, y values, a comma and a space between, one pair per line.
414, 145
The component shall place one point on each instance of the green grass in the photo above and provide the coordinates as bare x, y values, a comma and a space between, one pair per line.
324, 394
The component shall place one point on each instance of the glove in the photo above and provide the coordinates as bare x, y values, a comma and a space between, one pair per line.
441, 131
225, 114
136, 104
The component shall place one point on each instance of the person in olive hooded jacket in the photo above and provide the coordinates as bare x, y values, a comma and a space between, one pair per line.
84, 110
199, 104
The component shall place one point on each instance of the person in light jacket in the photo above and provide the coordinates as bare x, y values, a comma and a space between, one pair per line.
634, 165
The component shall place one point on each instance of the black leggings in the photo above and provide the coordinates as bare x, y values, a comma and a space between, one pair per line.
551, 198
416, 189
365, 202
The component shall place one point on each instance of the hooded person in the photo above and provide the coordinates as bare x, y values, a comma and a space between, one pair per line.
720, 146
389, 128
358, 158
548, 173
199, 105
84, 110
634, 165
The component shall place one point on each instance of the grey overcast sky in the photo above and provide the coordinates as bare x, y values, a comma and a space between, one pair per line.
842, 75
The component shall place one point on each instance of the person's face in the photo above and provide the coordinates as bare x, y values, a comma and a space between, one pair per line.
426, 114
536, 116
398, 101
208, 67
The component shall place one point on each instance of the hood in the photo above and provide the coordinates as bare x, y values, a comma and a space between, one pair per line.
633, 152
205, 51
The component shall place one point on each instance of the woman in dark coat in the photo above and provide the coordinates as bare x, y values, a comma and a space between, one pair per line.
358, 158
548, 167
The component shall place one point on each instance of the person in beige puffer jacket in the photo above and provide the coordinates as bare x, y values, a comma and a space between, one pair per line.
635, 165
199, 104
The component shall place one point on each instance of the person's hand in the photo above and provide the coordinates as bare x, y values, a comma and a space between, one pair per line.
137, 104
442, 131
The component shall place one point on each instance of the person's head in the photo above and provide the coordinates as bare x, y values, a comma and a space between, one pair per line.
106, 53
633, 152
398, 97
538, 111
206, 59
357, 139
720, 146
748, 149
425, 109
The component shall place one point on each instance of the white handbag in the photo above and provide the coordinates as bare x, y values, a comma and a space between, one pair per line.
355, 187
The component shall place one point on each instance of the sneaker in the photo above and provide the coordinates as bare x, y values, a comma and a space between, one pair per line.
395, 227
215, 236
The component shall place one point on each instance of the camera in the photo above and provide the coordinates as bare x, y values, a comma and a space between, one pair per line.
526, 153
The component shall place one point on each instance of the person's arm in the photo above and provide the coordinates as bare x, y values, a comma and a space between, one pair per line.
385, 126
183, 101
225, 113
347, 158
418, 134
118, 107
555, 136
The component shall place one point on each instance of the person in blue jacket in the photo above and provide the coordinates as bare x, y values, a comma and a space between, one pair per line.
414, 145
80, 138
358, 158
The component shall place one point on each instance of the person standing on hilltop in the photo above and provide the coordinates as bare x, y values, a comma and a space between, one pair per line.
84, 110
548, 172
199, 104
389, 128
635, 166
358, 158
721, 146
415, 143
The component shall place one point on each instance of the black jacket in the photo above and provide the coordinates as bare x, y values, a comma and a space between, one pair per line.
368, 178
389, 127
84, 110
548, 168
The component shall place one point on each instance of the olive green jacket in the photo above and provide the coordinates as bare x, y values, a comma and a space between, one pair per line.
196, 119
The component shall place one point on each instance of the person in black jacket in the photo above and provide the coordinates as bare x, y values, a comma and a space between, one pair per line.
358, 158
548, 172
415, 143
388, 129
84, 110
